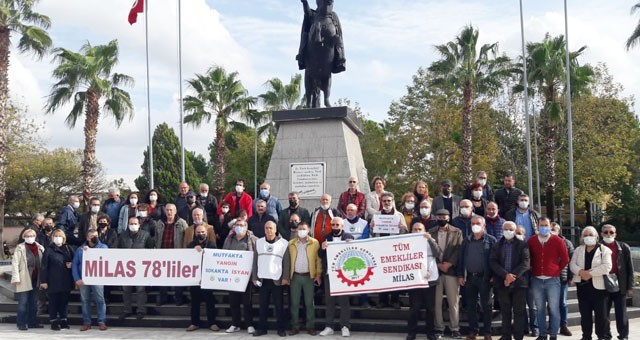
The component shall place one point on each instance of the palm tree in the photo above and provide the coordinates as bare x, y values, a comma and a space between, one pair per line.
547, 76
87, 77
634, 39
17, 17
470, 72
283, 97
218, 96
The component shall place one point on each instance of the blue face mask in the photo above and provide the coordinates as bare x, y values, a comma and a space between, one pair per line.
264, 192
544, 230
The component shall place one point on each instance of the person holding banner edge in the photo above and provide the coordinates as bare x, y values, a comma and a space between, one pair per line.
88, 293
240, 238
198, 294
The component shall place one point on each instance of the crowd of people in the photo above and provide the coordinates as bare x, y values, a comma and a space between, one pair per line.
488, 245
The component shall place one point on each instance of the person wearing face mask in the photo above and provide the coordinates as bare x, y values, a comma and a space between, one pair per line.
447, 200
89, 220
565, 277
507, 196
479, 203
425, 216
240, 238
257, 221
68, 219
622, 267
306, 270
493, 220
449, 239
112, 206
590, 262
198, 295
463, 220
56, 279
273, 204
408, 209
487, 192
198, 220
352, 196
524, 215
292, 229
209, 203
354, 225
89, 293
285, 215
129, 209
548, 256
224, 225
510, 264
106, 234
170, 234
474, 273
337, 233
25, 275
147, 223
373, 200
134, 238
156, 204
321, 218
521, 234
238, 200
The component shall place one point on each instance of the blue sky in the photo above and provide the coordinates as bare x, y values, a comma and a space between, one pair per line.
386, 41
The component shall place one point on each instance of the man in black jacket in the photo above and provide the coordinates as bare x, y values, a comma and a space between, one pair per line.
510, 264
623, 268
134, 238
507, 197
198, 295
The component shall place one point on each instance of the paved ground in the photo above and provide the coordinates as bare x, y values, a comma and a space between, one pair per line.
10, 332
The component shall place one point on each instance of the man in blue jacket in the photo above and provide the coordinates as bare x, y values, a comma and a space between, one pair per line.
87, 293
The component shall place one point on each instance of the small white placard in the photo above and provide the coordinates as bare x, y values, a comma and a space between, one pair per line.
386, 224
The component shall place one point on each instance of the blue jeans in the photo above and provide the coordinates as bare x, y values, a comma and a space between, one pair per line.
547, 292
564, 306
87, 293
27, 308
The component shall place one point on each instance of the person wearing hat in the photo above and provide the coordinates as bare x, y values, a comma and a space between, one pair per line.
192, 204
447, 200
449, 240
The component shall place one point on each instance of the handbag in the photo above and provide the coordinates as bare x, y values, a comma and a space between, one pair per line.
611, 284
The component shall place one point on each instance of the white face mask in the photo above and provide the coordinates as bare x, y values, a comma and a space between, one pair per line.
76, 205
29, 240
142, 214
425, 211
303, 233
325, 206
387, 209
225, 210
553, 232
239, 188
477, 194
589, 240
608, 240
204, 193
57, 240
134, 227
465, 211
409, 206
95, 209
133, 201
482, 182
520, 237
153, 198
508, 234
476, 228
523, 204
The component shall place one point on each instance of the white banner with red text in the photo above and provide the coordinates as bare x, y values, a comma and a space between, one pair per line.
226, 269
380, 264
141, 267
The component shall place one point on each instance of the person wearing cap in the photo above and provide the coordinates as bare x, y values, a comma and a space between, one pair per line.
447, 200
449, 239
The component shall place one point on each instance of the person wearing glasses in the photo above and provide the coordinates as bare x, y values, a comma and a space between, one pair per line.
352, 196
321, 218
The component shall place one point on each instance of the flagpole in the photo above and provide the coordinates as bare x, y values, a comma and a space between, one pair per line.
569, 120
146, 44
525, 82
182, 175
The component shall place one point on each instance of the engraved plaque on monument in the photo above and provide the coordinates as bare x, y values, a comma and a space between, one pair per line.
307, 179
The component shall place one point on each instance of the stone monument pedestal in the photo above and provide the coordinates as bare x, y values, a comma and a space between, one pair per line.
315, 152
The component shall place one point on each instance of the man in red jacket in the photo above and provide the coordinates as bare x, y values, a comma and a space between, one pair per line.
238, 200
548, 257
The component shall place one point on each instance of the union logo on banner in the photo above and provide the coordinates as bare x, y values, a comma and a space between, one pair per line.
354, 266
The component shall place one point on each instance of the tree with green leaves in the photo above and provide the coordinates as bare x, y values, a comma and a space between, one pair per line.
354, 264
218, 96
547, 77
17, 17
634, 39
283, 97
87, 79
468, 72
166, 154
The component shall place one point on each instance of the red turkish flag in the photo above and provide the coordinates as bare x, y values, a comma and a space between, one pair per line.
138, 7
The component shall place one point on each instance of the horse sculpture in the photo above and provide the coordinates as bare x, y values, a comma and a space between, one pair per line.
321, 51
